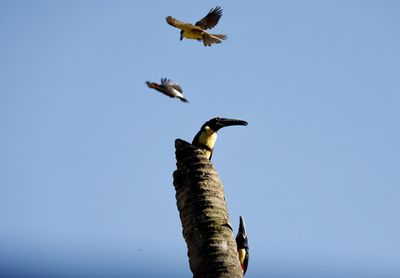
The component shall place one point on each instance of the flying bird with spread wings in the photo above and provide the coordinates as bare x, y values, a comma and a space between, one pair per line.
197, 31
168, 88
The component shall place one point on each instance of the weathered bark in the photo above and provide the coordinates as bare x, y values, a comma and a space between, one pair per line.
204, 216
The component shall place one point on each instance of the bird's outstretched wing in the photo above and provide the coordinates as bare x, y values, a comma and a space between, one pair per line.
176, 23
211, 19
169, 83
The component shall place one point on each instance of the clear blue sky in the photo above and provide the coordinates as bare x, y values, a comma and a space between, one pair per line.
87, 150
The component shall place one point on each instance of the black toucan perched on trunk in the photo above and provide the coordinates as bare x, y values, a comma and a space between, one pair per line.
206, 137
242, 246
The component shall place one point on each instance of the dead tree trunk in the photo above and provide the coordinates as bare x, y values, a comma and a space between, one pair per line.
204, 216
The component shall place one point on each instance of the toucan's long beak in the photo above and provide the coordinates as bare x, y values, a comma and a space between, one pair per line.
223, 122
242, 227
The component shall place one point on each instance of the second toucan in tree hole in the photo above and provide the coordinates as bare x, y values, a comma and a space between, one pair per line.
242, 245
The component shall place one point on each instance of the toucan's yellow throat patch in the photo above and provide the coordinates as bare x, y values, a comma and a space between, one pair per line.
208, 137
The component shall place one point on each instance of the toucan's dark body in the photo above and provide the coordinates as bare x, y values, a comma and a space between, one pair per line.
242, 245
168, 88
207, 135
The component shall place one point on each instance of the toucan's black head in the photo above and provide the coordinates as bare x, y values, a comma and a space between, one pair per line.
181, 34
207, 134
218, 123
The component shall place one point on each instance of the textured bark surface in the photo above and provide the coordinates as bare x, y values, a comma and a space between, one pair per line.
204, 216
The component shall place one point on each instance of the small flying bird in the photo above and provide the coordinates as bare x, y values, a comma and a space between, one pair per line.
197, 31
207, 135
242, 246
168, 88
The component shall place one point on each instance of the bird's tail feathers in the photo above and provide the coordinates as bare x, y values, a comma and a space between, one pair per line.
183, 99
220, 36
209, 39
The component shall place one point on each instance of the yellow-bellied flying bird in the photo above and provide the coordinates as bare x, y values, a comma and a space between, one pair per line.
197, 31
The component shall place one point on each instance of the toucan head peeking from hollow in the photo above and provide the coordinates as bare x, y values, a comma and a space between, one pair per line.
207, 135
